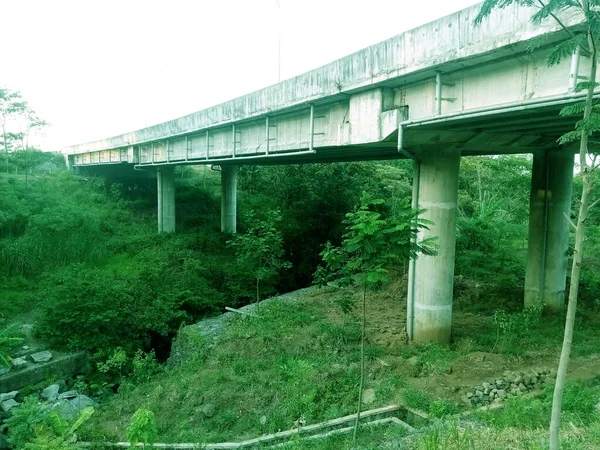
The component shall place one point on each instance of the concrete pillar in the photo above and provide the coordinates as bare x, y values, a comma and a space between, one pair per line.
434, 275
229, 177
550, 200
68, 162
165, 178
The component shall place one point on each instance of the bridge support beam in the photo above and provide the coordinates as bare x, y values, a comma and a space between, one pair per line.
550, 200
434, 275
165, 179
229, 177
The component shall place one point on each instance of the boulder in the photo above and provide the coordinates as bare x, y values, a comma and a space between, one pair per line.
68, 394
209, 410
50, 394
8, 396
368, 396
8, 405
41, 357
19, 362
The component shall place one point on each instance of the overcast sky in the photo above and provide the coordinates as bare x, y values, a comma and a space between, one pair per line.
95, 69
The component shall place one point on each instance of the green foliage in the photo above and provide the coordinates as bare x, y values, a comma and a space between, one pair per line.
260, 249
142, 428
36, 426
370, 245
8, 340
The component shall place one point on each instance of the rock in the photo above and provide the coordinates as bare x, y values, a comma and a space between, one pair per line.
8, 396
41, 357
263, 420
62, 385
19, 362
518, 380
478, 393
3, 370
209, 410
68, 394
83, 401
8, 404
497, 401
69, 409
50, 394
467, 401
469, 394
522, 387
501, 393
368, 396
486, 386
500, 383
413, 361
25, 347
4, 445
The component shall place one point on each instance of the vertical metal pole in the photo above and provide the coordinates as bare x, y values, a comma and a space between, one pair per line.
312, 129
438, 93
186, 147
574, 73
234, 139
153, 153
168, 154
267, 134
412, 263
207, 143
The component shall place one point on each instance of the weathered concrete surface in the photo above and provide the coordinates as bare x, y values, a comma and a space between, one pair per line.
434, 280
165, 179
229, 177
60, 367
358, 99
550, 202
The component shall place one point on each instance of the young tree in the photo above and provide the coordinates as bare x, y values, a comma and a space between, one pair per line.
260, 249
11, 105
371, 244
587, 39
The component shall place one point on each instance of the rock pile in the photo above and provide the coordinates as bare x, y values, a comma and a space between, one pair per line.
511, 384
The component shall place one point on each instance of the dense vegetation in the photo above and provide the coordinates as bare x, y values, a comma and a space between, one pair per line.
82, 254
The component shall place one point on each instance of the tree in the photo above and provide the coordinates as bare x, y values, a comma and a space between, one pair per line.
11, 105
260, 249
587, 39
371, 244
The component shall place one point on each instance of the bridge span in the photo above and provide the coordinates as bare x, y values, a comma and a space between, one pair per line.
433, 94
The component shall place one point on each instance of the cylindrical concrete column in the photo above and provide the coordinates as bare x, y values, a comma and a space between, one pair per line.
434, 275
560, 170
551, 185
229, 177
165, 179
536, 247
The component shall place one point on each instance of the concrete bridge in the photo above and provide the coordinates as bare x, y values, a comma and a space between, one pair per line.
433, 94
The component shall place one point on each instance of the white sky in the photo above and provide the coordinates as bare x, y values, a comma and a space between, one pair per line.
95, 69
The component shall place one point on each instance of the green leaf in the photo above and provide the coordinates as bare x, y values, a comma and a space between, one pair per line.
564, 50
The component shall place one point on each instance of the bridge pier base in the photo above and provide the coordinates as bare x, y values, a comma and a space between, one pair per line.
165, 182
229, 177
434, 275
550, 200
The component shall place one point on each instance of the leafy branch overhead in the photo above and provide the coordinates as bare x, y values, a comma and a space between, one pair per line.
371, 244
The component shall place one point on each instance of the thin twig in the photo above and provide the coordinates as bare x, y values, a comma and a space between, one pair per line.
562, 25
593, 204
570, 221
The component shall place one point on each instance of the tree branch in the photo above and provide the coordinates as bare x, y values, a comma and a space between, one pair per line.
593, 204
560, 23
570, 221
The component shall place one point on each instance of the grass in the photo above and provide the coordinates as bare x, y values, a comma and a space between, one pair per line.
300, 360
